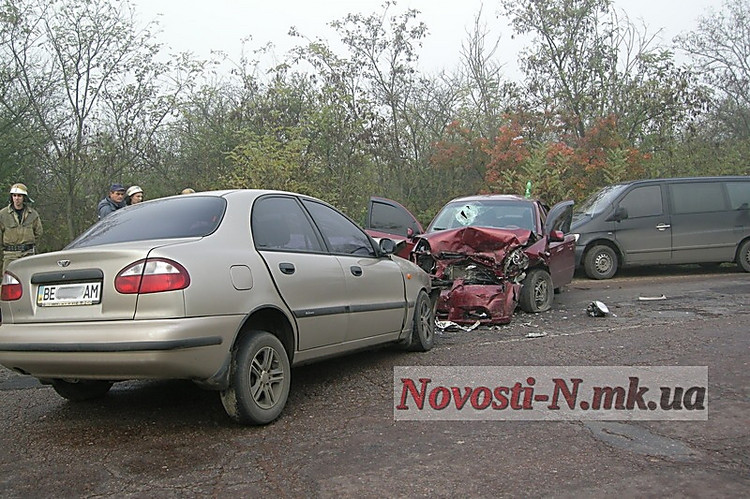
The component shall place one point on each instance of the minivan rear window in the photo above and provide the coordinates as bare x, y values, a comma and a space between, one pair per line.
697, 197
739, 195
168, 218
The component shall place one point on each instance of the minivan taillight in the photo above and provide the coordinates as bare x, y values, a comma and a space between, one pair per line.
11, 288
152, 275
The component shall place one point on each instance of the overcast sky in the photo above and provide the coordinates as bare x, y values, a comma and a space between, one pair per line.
200, 26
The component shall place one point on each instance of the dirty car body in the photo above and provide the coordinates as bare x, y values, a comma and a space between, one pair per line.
489, 254
226, 288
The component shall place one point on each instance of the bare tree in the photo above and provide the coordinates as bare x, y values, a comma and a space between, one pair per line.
721, 48
93, 91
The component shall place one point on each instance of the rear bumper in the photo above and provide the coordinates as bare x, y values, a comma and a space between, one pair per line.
192, 348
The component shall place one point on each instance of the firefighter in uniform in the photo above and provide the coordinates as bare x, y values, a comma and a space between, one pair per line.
20, 226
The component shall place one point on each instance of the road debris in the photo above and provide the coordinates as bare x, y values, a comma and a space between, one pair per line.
452, 326
597, 309
539, 334
652, 298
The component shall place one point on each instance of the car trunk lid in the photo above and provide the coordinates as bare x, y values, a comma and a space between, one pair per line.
74, 285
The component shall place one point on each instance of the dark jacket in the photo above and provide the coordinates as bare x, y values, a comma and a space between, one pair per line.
107, 206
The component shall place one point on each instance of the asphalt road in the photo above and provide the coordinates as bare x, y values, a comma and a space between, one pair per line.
338, 437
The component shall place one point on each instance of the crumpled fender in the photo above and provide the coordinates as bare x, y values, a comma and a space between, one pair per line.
496, 249
488, 304
481, 245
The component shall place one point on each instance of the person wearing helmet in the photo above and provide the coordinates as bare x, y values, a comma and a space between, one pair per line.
112, 202
20, 225
188, 190
133, 195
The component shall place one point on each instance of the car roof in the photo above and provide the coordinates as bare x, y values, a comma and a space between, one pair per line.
492, 197
687, 179
253, 193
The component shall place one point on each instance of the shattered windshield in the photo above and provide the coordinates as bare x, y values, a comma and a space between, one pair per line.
494, 214
599, 201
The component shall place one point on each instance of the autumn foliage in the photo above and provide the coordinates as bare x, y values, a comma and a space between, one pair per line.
558, 166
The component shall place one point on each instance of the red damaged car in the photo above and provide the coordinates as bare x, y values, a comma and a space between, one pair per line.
487, 253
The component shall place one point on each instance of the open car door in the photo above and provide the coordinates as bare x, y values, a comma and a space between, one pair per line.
561, 244
388, 218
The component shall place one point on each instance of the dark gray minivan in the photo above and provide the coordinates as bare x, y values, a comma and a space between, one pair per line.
664, 221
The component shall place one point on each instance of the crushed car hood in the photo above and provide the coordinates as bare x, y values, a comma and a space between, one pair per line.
484, 246
478, 269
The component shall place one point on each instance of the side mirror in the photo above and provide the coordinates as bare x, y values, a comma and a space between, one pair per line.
619, 214
387, 246
557, 235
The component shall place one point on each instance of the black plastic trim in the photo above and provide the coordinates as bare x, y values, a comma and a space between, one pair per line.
124, 346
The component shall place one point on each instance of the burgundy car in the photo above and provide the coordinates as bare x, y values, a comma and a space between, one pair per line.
487, 253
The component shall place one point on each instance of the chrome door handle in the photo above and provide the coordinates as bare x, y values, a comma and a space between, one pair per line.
663, 227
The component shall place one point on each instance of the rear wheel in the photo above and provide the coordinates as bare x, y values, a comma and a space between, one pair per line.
743, 256
78, 391
259, 380
600, 262
537, 292
423, 330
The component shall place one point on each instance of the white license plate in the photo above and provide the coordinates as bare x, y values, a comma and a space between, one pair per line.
61, 295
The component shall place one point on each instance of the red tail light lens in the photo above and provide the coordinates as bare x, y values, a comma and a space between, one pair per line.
153, 275
11, 288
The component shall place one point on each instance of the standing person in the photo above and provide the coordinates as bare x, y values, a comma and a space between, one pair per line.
112, 202
188, 190
20, 225
133, 195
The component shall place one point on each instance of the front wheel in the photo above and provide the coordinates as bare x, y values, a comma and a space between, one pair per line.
259, 380
80, 390
743, 256
537, 292
423, 330
600, 262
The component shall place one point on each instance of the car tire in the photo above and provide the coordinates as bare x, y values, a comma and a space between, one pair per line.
259, 379
78, 391
537, 292
600, 262
423, 329
743, 256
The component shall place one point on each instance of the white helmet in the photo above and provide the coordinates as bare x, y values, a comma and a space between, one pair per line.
133, 189
19, 189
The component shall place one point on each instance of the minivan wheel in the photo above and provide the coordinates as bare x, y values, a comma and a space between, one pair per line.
600, 262
743, 256
423, 330
537, 292
80, 390
259, 379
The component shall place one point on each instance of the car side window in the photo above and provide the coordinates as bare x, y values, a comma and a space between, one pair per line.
739, 195
697, 197
643, 201
279, 223
390, 219
341, 234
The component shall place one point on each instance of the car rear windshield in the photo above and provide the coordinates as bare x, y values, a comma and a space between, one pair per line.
169, 218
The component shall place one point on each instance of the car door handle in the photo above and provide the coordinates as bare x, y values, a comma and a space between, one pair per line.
663, 227
356, 271
286, 268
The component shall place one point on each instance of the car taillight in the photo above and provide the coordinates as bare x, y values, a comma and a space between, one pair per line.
11, 288
152, 275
